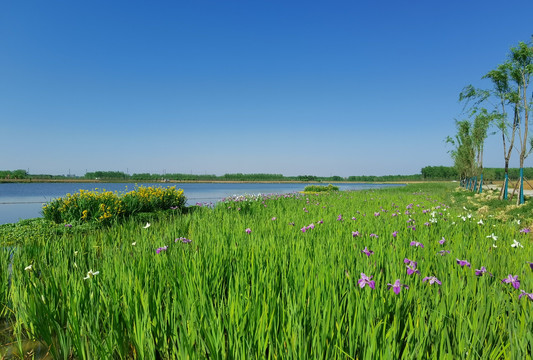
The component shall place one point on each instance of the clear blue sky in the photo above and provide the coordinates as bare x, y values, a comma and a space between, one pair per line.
292, 87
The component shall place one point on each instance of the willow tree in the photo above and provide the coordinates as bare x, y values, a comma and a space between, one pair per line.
482, 120
463, 153
521, 60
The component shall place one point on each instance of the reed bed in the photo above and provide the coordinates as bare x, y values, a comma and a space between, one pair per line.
282, 277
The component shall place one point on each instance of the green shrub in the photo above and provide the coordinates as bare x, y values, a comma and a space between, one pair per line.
320, 188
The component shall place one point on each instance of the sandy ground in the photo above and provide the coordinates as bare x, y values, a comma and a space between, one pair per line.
528, 192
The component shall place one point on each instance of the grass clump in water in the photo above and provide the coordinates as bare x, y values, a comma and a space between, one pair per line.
320, 188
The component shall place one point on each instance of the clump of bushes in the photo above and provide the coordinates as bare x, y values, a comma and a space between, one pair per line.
320, 188
107, 206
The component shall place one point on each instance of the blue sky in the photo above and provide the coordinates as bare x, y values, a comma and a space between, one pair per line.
291, 87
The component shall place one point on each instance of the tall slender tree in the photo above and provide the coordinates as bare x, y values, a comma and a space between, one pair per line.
521, 60
482, 121
505, 95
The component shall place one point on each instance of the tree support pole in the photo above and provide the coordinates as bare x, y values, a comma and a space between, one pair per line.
505, 186
521, 185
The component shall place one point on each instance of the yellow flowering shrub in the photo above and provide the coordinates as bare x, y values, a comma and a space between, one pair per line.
106, 206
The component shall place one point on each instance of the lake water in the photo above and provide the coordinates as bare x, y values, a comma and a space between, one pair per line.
25, 200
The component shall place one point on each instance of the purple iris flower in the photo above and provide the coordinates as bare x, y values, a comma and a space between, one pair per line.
304, 229
411, 267
416, 243
367, 252
513, 280
320, 221
164, 248
248, 230
523, 293
273, 219
374, 235
397, 286
376, 214
355, 233
525, 231
366, 280
339, 218
483, 270
443, 252
463, 262
310, 226
394, 233
427, 224
68, 225
442, 241
530, 265
432, 280
353, 218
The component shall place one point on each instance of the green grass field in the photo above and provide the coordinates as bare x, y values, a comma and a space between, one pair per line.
279, 277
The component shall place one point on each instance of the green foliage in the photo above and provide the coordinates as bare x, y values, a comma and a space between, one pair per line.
106, 175
385, 178
463, 153
16, 174
107, 206
439, 173
320, 188
489, 174
279, 292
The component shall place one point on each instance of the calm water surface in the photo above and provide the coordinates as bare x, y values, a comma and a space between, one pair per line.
25, 200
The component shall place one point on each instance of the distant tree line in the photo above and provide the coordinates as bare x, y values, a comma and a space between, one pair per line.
372, 178
23, 174
428, 173
490, 174
15, 174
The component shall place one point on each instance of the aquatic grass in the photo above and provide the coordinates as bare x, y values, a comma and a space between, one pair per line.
277, 292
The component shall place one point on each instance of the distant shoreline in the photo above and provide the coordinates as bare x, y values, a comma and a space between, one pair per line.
203, 181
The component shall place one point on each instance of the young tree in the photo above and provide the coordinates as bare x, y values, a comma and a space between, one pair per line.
464, 153
521, 60
505, 95
482, 121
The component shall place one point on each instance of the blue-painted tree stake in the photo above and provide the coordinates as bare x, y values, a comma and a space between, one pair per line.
475, 183
505, 186
480, 183
521, 185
